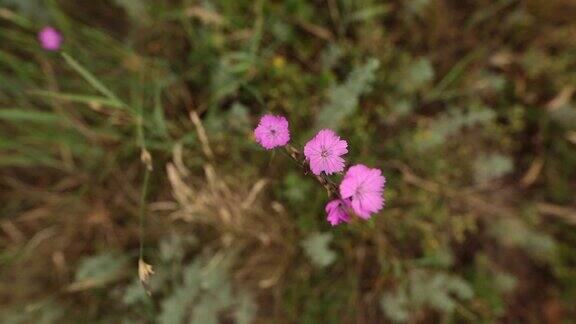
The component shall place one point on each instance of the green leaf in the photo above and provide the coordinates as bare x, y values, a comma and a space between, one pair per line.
136, 9
437, 289
565, 116
29, 8
205, 312
174, 308
396, 306
99, 270
316, 248
17, 115
369, 13
450, 123
491, 167
245, 309
231, 73
416, 75
92, 80
134, 293
425, 289
203, 291
505, 282
514, 232
79, 98
343, 99
47, 311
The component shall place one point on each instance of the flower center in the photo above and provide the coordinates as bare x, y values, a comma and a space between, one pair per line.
324, 152
359, 192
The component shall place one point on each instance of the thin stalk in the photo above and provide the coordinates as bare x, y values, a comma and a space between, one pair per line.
322, 178
142, 210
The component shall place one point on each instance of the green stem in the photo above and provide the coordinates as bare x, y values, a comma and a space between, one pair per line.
324, 180
142, 210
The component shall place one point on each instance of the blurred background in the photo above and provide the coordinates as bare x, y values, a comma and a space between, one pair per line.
134, 139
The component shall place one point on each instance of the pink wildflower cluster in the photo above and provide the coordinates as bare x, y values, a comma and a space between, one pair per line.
362, 188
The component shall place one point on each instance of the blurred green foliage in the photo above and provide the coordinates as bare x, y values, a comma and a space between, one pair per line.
343, 99
437, 291
316, 248
473, 123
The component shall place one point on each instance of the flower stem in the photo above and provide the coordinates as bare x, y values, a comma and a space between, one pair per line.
322, 178
142, 210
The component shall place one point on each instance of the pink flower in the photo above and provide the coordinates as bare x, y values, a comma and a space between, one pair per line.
272, 131
365, 187
50, 38
337, 211
323, 152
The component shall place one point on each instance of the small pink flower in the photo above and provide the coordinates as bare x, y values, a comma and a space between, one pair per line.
337, 211
272, 131
50, 39
324, 152
365, 186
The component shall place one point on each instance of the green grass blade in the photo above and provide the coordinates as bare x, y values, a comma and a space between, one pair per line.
79, 98
15, 115
92, 80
